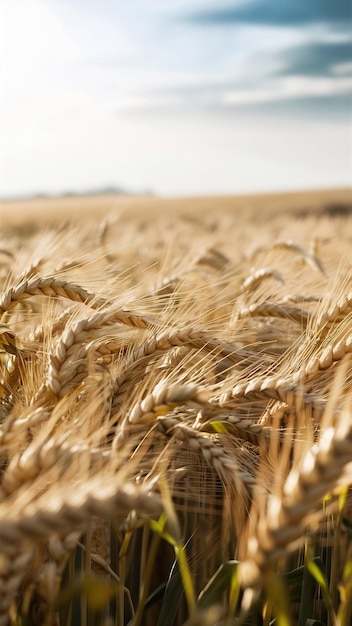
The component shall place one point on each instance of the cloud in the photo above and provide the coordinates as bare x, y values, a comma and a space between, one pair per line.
315, 70
318, 74
318, 59
277, 12
291, 87
330, 108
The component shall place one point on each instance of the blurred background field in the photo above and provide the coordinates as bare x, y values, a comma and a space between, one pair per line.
44, 211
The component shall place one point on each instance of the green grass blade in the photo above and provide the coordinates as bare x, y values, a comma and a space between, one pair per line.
318, 574
344, 615
221, 581
278, 598
172, 597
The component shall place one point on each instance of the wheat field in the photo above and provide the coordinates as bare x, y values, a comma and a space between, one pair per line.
176, 411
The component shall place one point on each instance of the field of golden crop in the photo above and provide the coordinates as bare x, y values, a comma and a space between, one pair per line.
176, 411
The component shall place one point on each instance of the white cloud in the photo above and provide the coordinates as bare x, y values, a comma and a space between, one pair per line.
288, 88
342, 68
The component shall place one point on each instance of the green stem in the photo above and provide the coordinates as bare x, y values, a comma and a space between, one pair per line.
145, 584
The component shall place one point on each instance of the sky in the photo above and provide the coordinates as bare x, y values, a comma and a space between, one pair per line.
175, 97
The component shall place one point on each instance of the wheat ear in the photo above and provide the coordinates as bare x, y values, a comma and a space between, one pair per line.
13, 568
282, 526
338, 310
213, 452
95, 499
274, 309
47, 287
257, 278
71, 347
162, 399
309, 258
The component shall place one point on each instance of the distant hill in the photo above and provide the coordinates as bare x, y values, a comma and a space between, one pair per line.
109, 190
